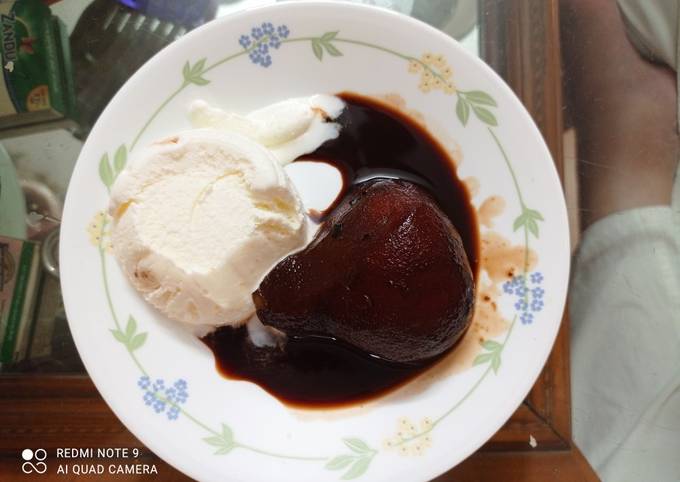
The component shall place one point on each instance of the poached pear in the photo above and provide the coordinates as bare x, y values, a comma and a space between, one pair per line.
386, 274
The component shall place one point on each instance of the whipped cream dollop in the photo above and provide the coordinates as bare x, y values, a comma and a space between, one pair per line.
288, 129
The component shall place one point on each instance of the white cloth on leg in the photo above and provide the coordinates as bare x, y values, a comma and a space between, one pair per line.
625, 361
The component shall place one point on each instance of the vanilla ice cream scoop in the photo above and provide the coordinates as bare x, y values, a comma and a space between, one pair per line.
201, 217
200, 220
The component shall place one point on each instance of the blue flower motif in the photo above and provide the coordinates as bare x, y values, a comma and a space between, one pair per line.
283, 31
263, 48
159, 406
144, 382
528, 301
182, 396
274, 42
173, 413
518, 280
255, 57
261, 39
244, 40
257, 33
158, 397
179, 391
259, 59
170, 394
149, 398
158, 385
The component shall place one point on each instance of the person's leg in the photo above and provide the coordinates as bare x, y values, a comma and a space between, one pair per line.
624, 111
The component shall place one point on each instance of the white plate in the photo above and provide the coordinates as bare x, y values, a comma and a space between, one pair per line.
216, 429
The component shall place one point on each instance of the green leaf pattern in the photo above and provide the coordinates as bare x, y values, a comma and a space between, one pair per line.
485, 115
493, 355
224, 442
462, 111
120, 159
528, 219
325, 43
340, 462
475, 100
193, 74
356, 445
130, 338
479, 97
107, 172
358, 462
358, 468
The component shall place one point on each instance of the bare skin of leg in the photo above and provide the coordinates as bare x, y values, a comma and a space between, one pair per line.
624, 110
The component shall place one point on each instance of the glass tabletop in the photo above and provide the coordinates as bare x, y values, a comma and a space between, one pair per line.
605, 100
612, 157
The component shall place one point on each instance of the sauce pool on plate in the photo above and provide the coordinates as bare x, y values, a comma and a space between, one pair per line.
376, 141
